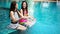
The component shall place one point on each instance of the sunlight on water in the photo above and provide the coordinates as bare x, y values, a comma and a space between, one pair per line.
45, 4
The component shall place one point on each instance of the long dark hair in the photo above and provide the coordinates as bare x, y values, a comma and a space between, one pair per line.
25, 8
12, 7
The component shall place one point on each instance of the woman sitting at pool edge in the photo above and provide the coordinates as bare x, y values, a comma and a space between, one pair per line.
15, 16
24, 12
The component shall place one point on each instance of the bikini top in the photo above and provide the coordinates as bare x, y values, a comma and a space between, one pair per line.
25, 13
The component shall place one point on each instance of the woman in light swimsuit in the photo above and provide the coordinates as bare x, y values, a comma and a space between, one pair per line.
24, 12
15, 15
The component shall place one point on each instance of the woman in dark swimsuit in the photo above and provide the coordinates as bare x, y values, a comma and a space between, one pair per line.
15, 16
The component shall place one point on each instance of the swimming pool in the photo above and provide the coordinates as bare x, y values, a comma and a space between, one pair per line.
48, 19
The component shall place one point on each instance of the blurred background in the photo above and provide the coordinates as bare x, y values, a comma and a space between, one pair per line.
46, 12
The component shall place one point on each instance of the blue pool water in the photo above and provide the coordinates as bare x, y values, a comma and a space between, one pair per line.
47, 20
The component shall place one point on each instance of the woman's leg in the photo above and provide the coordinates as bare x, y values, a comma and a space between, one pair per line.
30, 22
20, 27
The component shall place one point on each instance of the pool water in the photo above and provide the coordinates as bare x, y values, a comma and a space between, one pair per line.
47, 20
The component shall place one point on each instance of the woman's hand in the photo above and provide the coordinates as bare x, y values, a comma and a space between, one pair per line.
19, 14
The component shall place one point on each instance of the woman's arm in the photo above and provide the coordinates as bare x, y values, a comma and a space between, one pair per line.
12, 16
21, 11
20, 14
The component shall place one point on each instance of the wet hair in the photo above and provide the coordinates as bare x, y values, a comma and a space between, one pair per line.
25, 8
12, 7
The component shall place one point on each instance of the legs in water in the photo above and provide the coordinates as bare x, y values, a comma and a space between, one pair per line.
21, 27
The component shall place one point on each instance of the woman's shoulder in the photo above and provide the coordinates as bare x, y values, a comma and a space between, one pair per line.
11, 12
21, 10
